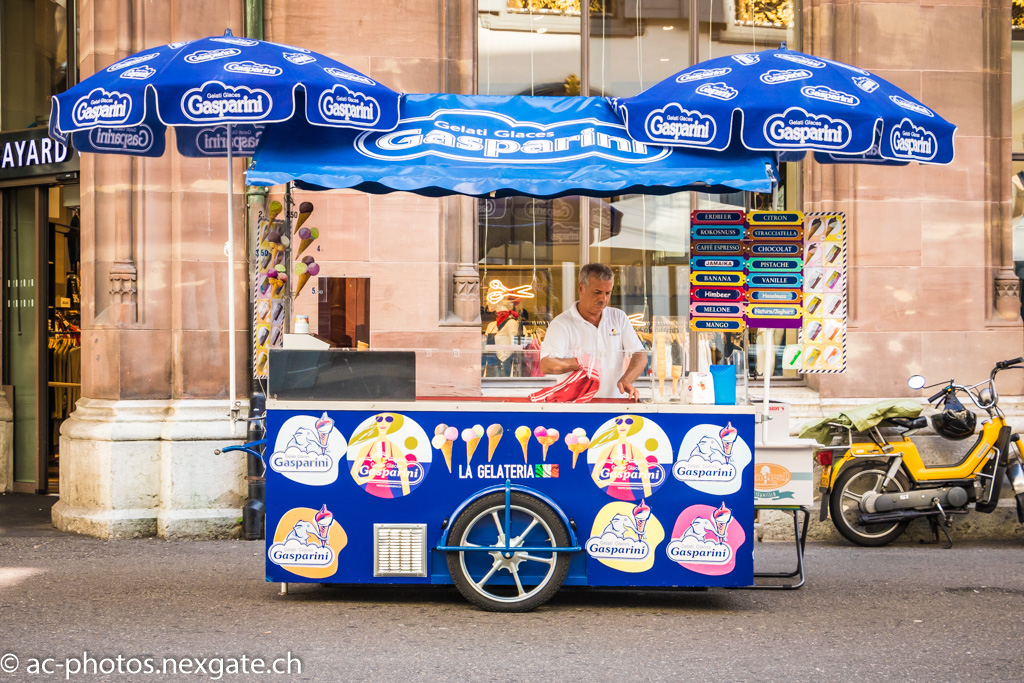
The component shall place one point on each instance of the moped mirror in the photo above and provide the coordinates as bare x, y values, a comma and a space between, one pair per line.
916, 382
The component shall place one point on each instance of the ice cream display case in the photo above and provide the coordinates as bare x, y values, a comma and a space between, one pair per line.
507, 499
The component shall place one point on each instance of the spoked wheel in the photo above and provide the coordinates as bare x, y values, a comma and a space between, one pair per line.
515, 581
844, 504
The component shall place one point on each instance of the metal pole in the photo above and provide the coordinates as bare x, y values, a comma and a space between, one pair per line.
229, 251
694, 198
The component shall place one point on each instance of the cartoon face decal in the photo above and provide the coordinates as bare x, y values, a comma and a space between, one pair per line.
625, 537
711, 459
628, 457
705, 540
307, 542
389, 455
309, 450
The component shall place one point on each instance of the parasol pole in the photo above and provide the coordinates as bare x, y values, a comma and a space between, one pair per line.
769, 343
230, 253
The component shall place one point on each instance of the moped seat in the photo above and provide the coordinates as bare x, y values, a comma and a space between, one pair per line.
909, 423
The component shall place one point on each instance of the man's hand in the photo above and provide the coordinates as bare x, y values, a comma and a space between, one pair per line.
637, 363
626, 387
558, 366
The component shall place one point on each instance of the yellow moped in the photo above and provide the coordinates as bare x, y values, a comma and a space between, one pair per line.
874, 488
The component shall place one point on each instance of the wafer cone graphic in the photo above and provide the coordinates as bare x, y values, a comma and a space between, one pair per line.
523, 436
494, 434
304, 272
305, 209
470, 449
274, 210
582, 445
546, 442
446, 450
306, 238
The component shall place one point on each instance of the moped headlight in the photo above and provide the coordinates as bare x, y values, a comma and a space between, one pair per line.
986, 396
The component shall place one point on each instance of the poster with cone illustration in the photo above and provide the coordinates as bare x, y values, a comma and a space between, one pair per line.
270, 283
823, 335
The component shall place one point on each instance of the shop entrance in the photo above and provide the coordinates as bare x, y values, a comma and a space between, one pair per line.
41, 368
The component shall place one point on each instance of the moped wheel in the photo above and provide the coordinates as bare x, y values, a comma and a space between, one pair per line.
844, 504
508, 582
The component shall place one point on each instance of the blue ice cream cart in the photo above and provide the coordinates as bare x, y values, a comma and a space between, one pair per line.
506, 499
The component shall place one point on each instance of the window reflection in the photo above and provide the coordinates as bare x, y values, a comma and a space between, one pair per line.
34, 60
535, 47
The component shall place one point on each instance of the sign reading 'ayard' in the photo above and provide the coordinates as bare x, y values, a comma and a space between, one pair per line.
31, 152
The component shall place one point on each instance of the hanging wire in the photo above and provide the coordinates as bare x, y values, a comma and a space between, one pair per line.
533, 38
639, 49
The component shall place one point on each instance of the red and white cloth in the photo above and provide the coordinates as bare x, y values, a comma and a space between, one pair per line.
579, 386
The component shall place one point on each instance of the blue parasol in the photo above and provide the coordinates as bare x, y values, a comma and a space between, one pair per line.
220, 93
789, 102
500, 146
202, 84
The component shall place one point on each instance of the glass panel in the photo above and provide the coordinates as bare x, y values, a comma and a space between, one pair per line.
21, 332
635, 45
529, 254
33, 60
529, 47
1017, 139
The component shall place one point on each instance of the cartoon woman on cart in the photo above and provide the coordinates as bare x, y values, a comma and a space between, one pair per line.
620, 464
379, 461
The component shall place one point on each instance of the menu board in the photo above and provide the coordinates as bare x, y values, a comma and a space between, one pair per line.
823, 335
717, 271
775, 260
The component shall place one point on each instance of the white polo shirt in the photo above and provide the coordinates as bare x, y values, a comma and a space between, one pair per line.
612, 342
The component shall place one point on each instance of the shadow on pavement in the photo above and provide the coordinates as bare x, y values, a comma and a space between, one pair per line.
26, 515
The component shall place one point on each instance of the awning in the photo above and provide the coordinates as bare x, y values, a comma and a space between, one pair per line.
479, 145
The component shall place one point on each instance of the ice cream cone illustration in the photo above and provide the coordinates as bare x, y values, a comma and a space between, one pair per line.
523, 436
577, 442
728, 436
545, 437
450, 435
304, 271
273, 210
324, 426
278, 284
323, 520
641, 513
306, 237
472, 438
494, 434
722, 516
305, 209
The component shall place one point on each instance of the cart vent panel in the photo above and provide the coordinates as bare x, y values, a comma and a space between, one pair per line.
399, 549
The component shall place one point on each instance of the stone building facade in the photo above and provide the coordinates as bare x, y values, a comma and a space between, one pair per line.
932, 287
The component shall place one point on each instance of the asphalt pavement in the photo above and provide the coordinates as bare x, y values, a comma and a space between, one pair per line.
72, 605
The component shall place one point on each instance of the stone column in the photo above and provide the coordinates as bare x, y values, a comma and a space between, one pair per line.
929, 245
6, 443
466, 294
137, 453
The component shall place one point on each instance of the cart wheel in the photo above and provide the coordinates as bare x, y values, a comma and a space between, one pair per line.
494, 581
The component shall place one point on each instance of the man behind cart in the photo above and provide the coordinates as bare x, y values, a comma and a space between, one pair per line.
595, 338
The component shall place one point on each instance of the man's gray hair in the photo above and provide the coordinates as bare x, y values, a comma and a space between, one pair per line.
595, 270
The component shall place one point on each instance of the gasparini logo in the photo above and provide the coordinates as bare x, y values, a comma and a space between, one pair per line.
913, 142
349, 76
341, 105
797, 127
102, 108
216, 101
911, 106
702, 74
672, 123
